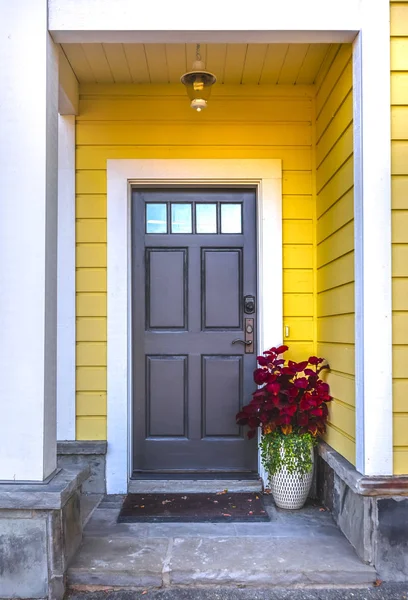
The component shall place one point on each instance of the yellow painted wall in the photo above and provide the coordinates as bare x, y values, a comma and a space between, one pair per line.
335, 243
399, 154
137, 122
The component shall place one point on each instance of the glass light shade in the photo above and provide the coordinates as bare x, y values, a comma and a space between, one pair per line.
198, 85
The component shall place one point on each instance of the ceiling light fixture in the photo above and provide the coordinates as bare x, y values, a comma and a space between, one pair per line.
198, 83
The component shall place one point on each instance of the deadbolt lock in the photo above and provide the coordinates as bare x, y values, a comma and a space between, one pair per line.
249, 305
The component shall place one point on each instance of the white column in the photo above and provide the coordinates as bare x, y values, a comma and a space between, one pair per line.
372, 222
28, 242
66, 279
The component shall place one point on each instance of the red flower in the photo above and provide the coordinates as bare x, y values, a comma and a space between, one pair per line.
263, 361
261, 376
302, 383
310, 372
290, 409
286, 400
273, 388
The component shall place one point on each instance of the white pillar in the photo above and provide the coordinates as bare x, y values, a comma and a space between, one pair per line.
66, 279
28, 242
372, 239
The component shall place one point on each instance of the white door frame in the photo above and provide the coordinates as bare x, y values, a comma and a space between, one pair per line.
264, 175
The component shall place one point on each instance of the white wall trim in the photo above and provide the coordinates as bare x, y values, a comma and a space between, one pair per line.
266, 176
66, 342
372, 241
160, 22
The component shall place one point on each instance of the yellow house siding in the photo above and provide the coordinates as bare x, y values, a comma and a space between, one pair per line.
335, 243
117, 122
399, 187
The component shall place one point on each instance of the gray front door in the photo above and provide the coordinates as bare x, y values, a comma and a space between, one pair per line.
193, 262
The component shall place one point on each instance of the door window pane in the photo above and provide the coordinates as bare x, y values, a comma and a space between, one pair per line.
206, 218
231, 218
156, 218
181, 218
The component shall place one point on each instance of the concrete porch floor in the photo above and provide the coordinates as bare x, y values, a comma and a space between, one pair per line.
295, 548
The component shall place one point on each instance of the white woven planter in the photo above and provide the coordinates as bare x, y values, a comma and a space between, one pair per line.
290, 491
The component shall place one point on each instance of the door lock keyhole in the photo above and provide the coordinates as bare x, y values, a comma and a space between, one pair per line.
249, 305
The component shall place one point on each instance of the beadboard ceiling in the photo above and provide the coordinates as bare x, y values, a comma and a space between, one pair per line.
284, 64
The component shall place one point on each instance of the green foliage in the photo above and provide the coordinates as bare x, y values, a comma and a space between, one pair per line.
293, 451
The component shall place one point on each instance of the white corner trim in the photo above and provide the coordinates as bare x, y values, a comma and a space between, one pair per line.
266, 176
372, 241
68, 87
66, 280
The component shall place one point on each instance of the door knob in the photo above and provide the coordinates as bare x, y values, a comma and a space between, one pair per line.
245, 342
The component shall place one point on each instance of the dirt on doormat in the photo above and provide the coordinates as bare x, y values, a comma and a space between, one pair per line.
222, 507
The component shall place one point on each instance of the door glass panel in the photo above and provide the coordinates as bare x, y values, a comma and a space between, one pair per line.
181, 218
206, 218
156, 218
231, 218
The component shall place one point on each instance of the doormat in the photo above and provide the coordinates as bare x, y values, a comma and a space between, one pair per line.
223, 507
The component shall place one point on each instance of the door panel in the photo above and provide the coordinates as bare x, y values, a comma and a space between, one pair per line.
222, 288
222, 395
166, 396
193, 261
166, 288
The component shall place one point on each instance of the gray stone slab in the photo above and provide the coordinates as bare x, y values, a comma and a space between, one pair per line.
79, 454
392, 485
392, 539
112, 501
23, 558
82, 447
52, 495
96, 482
384, 592
275, 562
141, 486
72, 525
119, 562
89, 502
103, 523
187, 530
297, 548
279, 530
353, 514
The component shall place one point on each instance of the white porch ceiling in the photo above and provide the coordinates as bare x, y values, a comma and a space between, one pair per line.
254, 64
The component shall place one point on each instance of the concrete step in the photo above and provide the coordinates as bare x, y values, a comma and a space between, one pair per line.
294, 548
156, 562
192, 486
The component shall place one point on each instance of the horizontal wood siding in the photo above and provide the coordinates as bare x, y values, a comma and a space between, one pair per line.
335, 244
117, 122
399, 156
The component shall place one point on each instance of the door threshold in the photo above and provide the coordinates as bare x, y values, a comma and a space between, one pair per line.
193, 486
194, 475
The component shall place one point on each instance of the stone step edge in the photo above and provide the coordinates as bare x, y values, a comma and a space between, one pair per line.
144, 486
284, 579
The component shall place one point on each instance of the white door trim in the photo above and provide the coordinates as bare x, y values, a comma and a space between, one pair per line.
266, 176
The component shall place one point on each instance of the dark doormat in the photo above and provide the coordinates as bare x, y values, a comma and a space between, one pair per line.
222, 507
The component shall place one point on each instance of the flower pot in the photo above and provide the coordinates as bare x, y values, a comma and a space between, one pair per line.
290, 490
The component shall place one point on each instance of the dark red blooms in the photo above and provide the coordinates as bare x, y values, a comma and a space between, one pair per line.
292, 396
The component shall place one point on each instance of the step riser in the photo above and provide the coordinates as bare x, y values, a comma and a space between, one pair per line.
284, 579
211, 486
